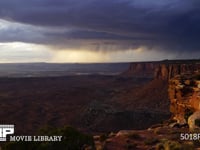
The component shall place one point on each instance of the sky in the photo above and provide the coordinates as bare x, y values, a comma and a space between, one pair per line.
99, 30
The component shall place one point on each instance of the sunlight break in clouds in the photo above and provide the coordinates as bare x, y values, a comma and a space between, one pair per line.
76, 56
26, 52
168, 29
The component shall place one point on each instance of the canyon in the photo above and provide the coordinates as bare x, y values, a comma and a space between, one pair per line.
139, 107
183, 86
183, 79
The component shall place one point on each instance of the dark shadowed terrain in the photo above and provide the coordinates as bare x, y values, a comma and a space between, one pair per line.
92, 103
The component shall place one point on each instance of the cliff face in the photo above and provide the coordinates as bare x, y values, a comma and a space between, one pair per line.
141, 69
168, 71
184, 95
183, 79
164, 70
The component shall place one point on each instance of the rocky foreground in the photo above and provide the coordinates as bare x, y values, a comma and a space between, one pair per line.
158, 137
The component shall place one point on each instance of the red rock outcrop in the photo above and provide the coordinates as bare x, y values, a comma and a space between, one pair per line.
168, 71
184, 95
164, 70
141, 69
183, 79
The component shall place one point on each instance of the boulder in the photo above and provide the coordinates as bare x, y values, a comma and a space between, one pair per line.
194, 121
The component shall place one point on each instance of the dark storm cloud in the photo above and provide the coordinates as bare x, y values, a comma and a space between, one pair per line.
110, 24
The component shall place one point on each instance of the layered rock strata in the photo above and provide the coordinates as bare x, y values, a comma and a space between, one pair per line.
164, 70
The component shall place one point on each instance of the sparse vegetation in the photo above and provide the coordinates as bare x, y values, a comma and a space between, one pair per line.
76, 100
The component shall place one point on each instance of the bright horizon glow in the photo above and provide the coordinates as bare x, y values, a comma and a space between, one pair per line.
78, 56
19, 52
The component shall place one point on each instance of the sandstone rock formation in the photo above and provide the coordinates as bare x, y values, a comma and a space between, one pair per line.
193, 121
168, 71
141, 69
184, 95
183, 77
162, 69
